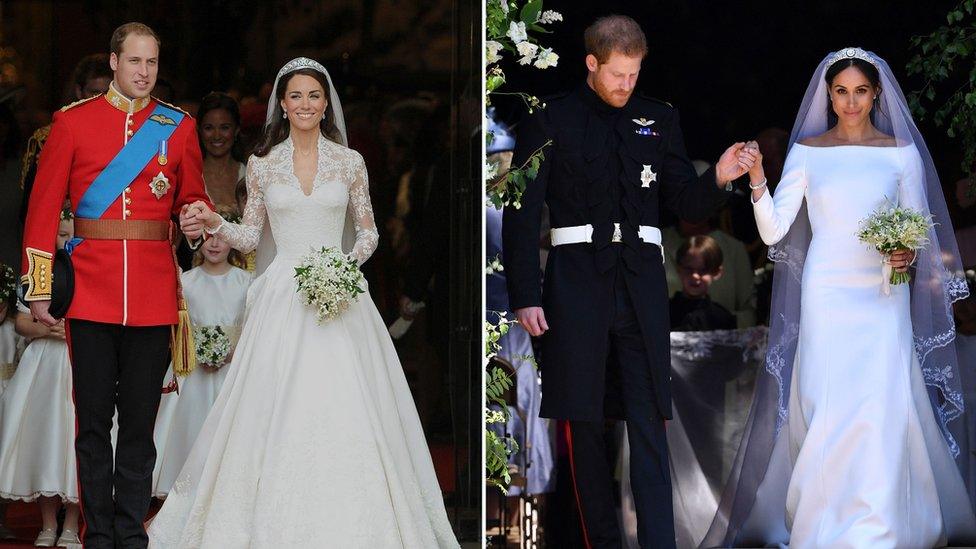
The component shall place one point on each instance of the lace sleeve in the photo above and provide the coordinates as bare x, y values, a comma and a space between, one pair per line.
244, 236
367, 237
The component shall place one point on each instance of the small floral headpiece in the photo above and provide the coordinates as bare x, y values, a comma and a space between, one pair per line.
8, 283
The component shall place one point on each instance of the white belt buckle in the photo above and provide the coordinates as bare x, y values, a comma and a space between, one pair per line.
617, 235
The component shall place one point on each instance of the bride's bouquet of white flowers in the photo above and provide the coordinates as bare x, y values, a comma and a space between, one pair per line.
212, 345
329, 281
892, 228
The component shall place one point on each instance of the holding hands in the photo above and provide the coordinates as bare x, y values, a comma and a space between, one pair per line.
735, 162
194, 218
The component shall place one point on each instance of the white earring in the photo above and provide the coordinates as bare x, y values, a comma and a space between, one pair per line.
284, 114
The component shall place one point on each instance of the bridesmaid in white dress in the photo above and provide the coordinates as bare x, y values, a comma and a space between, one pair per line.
11, 344
866, 463
215, 292
314, 440
37, 426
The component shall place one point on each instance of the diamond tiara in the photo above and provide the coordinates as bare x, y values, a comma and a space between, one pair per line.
851, 53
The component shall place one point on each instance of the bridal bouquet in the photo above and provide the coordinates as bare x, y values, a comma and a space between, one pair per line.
212, 345
891, 228
329, 281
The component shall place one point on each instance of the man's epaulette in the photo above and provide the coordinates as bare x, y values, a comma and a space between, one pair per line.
80, 102
172, 106
655, 99
34, 145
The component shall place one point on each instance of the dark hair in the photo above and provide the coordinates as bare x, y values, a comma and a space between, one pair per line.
705, 245
12, 141
89, 68
614, 33
124, 30
214, 101
279, 128
240, 191
868, 70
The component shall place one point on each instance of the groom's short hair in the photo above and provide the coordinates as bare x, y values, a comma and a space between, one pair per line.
126, 29
614, 33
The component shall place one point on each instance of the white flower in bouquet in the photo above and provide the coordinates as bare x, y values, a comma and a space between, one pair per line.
329, 281
527, 50
547, 58
492, 50
491, 170
212, 345
550, 16
517, 32
892, 228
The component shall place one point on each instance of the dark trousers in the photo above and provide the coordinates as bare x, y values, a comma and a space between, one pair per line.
116, 367
650, 474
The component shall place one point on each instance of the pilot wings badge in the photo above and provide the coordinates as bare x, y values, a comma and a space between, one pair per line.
162, 120
644, 126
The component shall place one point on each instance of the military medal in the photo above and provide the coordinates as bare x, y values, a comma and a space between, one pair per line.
159, 185
163, 147
647, 176
644, 126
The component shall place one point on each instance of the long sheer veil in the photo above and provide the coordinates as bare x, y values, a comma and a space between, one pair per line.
756, 489
266, 245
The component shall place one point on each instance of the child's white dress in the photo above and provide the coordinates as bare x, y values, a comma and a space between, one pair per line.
37, 425
212, 300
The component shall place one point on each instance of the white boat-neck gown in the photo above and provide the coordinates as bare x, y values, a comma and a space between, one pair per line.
870, 468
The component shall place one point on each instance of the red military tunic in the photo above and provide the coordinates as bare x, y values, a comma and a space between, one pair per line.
129, 282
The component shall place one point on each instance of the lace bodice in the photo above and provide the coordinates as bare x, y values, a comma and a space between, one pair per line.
299, 222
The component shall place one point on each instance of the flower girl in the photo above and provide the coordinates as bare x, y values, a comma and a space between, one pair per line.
10, 345
37, 425
10, 342
215, 293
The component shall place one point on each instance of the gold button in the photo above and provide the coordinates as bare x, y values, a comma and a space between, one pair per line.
127, 213
130, 132
128, 190
128, 200
131, 122
43, 285
43, 267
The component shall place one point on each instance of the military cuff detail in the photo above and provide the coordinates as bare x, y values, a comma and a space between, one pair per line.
38, 277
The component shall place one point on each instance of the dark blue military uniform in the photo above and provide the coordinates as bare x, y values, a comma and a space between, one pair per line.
606, 302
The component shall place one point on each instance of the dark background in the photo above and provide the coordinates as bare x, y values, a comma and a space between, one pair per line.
408, 74
734, 68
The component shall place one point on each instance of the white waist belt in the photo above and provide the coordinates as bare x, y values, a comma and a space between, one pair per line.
584, 233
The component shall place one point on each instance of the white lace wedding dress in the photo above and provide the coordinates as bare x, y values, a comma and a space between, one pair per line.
314, 440
870, 467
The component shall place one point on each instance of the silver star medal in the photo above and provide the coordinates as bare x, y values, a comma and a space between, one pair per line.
159, 185
647, 176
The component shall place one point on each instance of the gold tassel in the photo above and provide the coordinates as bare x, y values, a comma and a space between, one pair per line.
181, 343
181, 334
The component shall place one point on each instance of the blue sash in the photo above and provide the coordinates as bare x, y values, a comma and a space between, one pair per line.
127, 165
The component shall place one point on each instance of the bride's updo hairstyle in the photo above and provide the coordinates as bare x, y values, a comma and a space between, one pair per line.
279, 128
868, 70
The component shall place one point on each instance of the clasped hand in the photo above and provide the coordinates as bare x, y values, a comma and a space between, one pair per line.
738, 159
195, 217
900, 260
